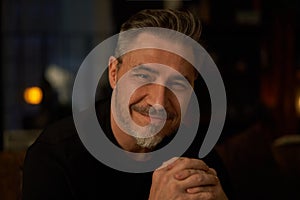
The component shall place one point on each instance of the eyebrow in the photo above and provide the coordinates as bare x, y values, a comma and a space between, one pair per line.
146, 68
181, 78
140, 67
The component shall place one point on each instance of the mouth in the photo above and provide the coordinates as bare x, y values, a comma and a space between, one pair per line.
157, 119
153, 119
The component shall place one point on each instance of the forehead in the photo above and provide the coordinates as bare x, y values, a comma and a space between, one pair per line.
159, 54
150, 57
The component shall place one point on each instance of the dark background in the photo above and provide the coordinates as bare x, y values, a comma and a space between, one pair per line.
255, 44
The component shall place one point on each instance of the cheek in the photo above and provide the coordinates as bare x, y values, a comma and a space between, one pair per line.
138, 95
180, 104
175, 103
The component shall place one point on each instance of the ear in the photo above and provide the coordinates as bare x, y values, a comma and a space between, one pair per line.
112, 71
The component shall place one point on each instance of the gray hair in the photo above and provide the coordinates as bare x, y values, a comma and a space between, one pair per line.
181, 21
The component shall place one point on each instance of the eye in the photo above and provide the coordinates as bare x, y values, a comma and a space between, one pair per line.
143, 77
178, 85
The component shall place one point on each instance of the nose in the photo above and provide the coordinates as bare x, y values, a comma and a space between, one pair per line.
158, 94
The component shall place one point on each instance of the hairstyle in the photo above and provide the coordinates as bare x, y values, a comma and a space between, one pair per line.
182, 21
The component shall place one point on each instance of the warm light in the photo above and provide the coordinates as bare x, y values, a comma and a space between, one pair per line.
298, 104
33, 95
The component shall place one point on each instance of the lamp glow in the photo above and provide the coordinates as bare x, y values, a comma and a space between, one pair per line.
298, 104
33, 95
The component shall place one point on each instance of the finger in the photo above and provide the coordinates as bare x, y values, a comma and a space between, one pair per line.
212, 171
199, 179
187, 172
181, 175
200, 189
167, 164
188, 163
201, 195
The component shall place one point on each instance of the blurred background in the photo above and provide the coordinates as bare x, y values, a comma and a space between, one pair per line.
255, 44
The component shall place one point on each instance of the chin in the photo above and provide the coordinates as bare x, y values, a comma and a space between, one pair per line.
150, 142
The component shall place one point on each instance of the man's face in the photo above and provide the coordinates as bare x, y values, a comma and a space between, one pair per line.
155, 89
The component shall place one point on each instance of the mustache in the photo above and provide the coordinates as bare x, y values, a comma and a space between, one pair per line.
146, 110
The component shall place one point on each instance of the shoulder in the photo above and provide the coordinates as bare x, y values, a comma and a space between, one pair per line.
56, 147
64, 131
59, 131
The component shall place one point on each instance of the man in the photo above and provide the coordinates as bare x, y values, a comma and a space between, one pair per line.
149, 100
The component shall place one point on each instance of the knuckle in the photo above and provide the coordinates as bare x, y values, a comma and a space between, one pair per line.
164, 179
156, 174
198, 177
184, 160
183, 174
189, 172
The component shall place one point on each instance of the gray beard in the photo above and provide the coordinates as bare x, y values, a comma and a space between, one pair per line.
148, 142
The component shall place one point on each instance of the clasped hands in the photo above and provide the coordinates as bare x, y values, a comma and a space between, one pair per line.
186, 178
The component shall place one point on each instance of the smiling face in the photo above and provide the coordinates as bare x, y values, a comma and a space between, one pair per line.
152, 88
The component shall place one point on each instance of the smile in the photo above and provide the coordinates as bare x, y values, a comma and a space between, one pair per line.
157, 119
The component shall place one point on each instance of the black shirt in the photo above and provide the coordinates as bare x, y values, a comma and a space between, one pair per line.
58, 166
